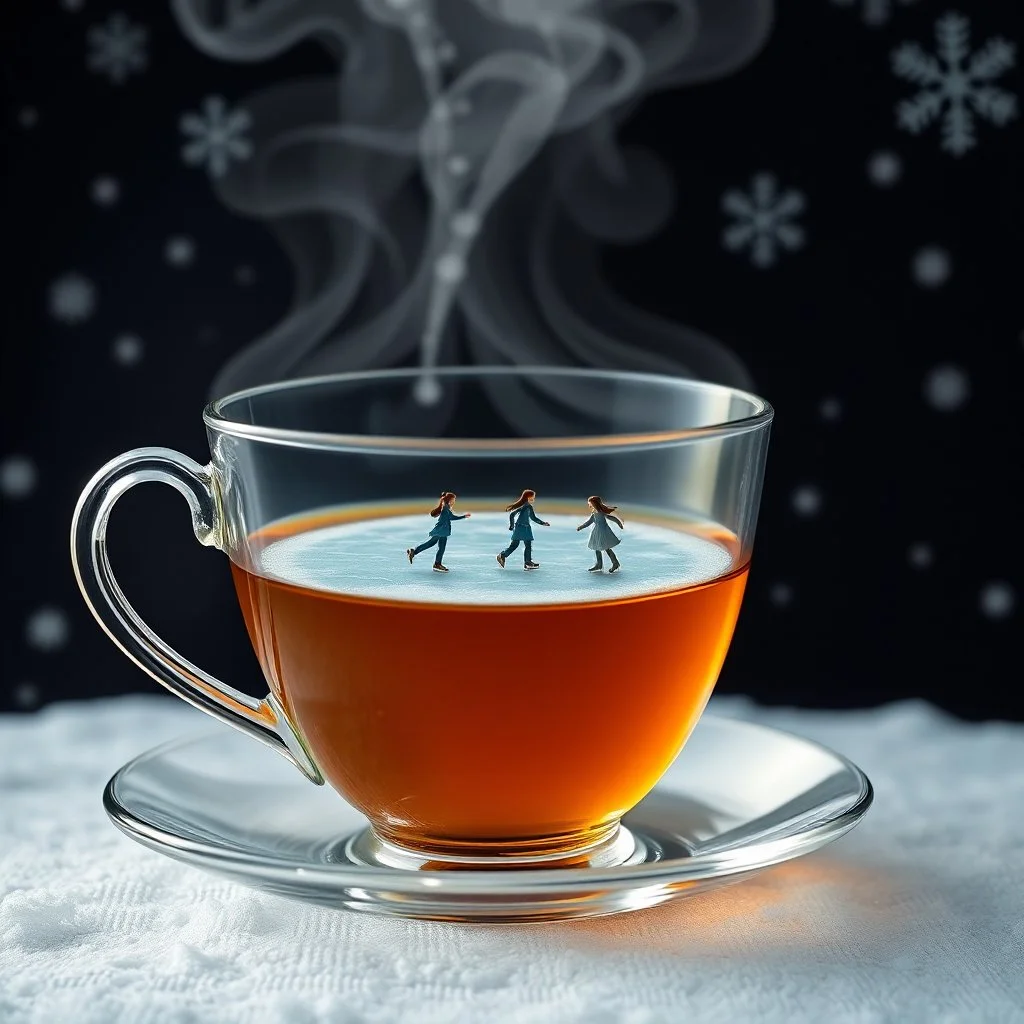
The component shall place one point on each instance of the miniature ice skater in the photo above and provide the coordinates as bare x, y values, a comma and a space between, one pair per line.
602, 537
519, 524
439, 535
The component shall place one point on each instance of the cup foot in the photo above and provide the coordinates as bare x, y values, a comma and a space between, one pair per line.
614, 848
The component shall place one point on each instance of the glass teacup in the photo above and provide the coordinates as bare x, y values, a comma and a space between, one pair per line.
489, 621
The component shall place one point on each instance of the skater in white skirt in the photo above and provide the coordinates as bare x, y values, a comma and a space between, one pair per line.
602, 537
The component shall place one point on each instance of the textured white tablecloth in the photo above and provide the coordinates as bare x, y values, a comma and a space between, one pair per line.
917, 915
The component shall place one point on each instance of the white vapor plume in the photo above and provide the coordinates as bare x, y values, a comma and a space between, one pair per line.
443, 193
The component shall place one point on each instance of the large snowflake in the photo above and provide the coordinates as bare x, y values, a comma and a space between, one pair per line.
874, 12
955, 84
763, 220
217, 136
118, 48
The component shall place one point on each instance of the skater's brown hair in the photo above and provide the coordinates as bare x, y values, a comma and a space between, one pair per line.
521, 500
447, 497
597, 502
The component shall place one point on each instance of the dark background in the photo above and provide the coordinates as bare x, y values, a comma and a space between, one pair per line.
888, 562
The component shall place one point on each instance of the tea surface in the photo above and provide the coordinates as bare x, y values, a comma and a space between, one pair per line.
367, 559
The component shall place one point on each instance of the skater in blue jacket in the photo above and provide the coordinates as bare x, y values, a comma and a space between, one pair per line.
519, 524
439, 535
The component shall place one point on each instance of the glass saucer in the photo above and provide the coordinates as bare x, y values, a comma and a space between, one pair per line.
738, 799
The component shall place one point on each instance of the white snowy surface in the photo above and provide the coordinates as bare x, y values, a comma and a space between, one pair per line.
917, 915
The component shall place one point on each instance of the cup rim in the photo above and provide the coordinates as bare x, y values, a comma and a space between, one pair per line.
218, 420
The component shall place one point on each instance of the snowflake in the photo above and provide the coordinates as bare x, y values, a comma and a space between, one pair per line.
218, 134
763, 220
875, 12
118, 48
72, 299
952, 90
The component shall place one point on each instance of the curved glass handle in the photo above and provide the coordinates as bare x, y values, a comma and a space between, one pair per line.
263, 719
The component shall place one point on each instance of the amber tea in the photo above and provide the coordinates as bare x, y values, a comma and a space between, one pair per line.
483, 705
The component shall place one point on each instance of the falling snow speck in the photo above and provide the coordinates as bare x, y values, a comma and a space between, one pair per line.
180, 251
17, 476
946, 388
105, 190
127, 349
807, 500
117, 49
920, 555
26, 695
28, 117
72, 5
72, 298
997, 600
781, 595
47, 629
884, 169
458, 164
931, 266
874, 12
831, 409
465, 224
450, 268
245, 275
427, 390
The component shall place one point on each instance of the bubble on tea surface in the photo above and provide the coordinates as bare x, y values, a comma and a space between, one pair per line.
367, 559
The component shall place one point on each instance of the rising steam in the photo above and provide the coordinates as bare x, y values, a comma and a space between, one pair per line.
442, 195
